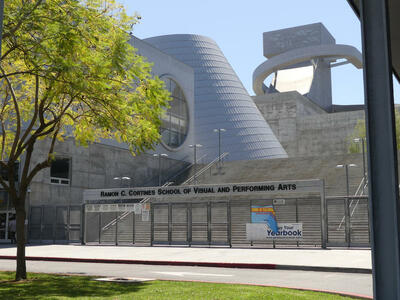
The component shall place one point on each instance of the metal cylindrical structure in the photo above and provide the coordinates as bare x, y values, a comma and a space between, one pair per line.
221, 101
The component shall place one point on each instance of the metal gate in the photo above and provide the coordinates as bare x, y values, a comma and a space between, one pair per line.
348, 221
195, 223
110, 228
51, 224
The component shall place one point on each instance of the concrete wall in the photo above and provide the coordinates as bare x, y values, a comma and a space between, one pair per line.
303, 128
95, 167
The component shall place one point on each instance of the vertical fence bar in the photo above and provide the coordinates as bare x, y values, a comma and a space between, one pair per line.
189, 223
133, 227
324, 216
100, 227
41, 223
116, 228
347, 220
169, 223
84, 218
209, 223
152, 224
229, 221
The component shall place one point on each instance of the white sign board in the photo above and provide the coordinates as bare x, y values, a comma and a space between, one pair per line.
122, 207
262, 232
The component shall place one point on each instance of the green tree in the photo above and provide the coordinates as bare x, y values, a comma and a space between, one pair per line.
67, 70
360, 132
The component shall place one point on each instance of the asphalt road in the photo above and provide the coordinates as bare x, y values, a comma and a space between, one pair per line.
360, 284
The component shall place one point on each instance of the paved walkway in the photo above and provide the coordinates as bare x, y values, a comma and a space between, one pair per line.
341, 260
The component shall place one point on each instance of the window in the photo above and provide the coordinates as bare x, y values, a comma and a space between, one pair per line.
59, 171
175, 121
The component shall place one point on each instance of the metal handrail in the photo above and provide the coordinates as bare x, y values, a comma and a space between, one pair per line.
217, 159
359, 192
125, 214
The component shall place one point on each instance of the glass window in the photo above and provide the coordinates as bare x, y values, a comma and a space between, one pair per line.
59, 171
175, 121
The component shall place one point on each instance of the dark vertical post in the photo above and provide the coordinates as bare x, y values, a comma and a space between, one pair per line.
209, 223
169, 223
100, 227
133, 227
382, 156
41, 223
347, 208
229, 220
151, 225
189, 223
324, 216
116, 228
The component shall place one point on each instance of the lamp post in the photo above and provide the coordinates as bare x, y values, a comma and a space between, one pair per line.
362, 140
219, 130
121, 179
159, 165
195, 146
346, 206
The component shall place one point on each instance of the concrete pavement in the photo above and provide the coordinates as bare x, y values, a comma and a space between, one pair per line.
331, 260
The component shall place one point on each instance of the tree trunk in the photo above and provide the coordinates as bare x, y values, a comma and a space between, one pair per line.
21, 262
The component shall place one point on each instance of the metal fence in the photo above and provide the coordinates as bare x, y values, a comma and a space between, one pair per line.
54, 224
342, 222
348, 221
194, 223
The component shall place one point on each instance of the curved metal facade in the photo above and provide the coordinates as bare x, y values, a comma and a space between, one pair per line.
221, 101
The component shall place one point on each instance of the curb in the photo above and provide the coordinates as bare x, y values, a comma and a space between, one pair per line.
198, 264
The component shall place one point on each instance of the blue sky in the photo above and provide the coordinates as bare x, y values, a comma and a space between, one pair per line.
237, 27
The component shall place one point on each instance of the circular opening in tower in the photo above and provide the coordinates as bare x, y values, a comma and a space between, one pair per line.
175, 121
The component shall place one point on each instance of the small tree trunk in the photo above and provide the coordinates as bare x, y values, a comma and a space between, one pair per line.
21, 263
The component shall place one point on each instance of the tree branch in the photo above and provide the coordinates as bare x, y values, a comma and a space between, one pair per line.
17, 113
21, 21
45, 163
35, 113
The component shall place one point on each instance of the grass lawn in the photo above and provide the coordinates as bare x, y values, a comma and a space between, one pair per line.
47, 287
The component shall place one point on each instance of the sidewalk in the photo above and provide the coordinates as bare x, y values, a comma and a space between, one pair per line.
333, 260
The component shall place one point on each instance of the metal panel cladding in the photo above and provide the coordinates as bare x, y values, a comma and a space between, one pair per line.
221, 101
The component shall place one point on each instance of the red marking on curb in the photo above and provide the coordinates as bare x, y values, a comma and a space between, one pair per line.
148, 262
198, 264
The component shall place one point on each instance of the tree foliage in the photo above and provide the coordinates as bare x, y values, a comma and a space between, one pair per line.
67, 70
360, 132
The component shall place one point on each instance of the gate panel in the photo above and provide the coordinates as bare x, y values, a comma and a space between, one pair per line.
179, 223
48, 222
108, 226
126, 228
92, 227
359, 223
61, 233
199, 223
309, 213
240, 215
35, 223
75, 223
336, 222
286, 213
219, 223
160, 225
